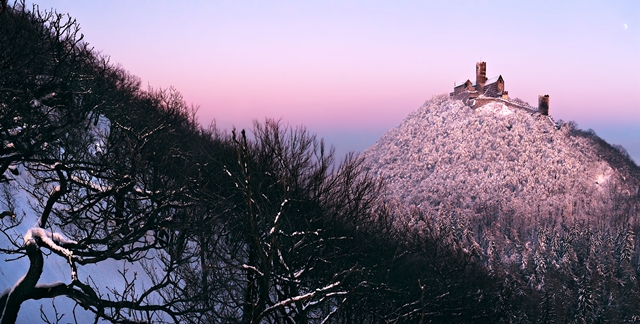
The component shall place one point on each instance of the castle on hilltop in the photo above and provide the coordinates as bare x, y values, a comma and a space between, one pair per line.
486, 90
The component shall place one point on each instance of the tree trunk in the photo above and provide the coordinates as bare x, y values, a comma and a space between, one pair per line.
12, 298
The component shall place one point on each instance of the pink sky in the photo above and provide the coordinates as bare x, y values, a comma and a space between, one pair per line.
351, 70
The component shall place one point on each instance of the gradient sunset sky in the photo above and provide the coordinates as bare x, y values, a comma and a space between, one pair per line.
351, 70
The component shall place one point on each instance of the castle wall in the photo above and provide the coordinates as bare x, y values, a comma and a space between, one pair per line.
495, 88
500, 85
491, 90
464, 96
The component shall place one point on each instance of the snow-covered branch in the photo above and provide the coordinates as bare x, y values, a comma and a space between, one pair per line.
303, 297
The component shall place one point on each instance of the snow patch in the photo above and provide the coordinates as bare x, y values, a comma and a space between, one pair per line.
604, 175
497, 108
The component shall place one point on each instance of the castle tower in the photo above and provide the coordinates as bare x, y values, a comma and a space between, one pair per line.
481, 76
543, 105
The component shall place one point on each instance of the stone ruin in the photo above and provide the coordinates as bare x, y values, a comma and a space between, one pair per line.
486, 90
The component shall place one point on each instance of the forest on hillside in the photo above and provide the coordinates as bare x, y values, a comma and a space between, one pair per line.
257, 226
547, 205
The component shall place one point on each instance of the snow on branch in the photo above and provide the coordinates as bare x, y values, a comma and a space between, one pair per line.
53, 241
248, 267
326, 319
275, 222
301, 297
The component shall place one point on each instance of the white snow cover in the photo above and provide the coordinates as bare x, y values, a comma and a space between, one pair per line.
448, 154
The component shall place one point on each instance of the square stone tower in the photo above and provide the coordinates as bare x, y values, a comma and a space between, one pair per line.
481, 76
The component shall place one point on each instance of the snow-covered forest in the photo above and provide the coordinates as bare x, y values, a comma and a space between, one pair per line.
554, 208
116, 205
508, 159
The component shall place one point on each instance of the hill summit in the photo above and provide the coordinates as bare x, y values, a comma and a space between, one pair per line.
548, 209
500, 157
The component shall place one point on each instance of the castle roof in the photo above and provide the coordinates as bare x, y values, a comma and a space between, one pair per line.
459, 84
489, 81
493, 80
492, 88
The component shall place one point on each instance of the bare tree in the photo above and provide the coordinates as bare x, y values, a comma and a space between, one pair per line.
106, 166
274, 249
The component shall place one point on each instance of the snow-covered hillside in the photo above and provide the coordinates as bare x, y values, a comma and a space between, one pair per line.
501, 158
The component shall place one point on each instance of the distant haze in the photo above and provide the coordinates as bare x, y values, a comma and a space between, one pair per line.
351, 70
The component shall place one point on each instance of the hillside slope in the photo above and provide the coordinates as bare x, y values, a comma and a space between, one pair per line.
500, 158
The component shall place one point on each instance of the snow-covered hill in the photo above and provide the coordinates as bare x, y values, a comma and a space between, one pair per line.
499, 158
